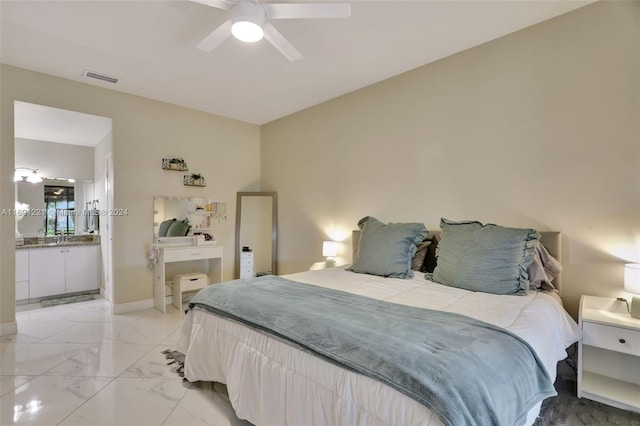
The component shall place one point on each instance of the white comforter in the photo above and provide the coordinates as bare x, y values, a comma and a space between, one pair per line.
272, 383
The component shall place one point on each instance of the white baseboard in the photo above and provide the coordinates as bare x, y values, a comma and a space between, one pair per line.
8, 328
122, 308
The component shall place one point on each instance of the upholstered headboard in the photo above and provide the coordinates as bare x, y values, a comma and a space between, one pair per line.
552, 241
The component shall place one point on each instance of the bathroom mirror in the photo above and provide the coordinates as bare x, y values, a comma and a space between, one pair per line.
257, 229
58, 206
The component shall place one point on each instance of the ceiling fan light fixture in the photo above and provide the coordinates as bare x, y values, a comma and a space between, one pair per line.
248, 19
247, 31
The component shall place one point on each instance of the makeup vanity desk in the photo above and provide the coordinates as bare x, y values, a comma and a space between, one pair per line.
176, 259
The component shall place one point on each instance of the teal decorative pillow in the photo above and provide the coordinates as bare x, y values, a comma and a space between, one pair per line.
487, 258
387, 250
179, 228
164, 227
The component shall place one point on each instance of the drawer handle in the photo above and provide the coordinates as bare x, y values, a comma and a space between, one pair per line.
622, 341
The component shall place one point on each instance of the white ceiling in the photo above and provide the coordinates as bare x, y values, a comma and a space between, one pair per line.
150, 46
48, 124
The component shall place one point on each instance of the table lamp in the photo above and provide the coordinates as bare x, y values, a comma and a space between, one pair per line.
632, 285
330, 250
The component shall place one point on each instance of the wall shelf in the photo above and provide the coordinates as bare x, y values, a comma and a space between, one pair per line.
189, 180
176, 164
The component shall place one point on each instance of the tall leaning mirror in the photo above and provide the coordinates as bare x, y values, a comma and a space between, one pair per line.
256, 234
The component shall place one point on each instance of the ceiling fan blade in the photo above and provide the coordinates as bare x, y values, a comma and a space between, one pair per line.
307, 10
218, 4
274, 37
214, 39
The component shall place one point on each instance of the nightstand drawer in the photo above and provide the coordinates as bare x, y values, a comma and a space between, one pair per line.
613, 338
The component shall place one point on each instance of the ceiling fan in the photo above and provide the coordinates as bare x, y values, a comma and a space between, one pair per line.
250, 22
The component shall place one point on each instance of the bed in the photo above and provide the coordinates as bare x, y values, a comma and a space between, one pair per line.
272, 381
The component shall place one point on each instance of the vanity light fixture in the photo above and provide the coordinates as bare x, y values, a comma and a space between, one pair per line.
26, 174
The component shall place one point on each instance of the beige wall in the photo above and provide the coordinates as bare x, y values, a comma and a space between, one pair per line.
7, 223
537, 129
227, 152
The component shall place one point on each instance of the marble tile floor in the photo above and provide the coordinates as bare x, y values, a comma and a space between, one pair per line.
78, 364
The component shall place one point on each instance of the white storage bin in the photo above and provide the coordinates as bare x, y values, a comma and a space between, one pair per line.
187, 282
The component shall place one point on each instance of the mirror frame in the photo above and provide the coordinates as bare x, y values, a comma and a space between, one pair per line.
274, 228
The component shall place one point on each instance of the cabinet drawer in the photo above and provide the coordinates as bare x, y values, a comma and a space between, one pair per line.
613, 338
195, 253
247, 272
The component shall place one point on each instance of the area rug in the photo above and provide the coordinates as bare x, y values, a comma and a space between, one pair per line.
177, 358
63, 300
566, 409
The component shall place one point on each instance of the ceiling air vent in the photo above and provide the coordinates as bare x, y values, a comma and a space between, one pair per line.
98, 76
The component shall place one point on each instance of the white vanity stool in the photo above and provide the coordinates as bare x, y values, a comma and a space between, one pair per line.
187, 282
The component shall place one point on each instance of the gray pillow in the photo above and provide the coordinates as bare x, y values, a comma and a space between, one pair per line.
387, 250
487, 258
179, 228
544, 269
164, 227
421, 253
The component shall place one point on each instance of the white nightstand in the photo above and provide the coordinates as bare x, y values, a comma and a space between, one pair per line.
609, 353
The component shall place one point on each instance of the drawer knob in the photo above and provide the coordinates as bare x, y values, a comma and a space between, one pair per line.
622, 341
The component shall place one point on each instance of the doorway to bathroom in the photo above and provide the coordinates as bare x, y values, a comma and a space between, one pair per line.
61, 184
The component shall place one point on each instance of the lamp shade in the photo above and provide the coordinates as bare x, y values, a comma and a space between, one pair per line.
632, 278
329, 248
